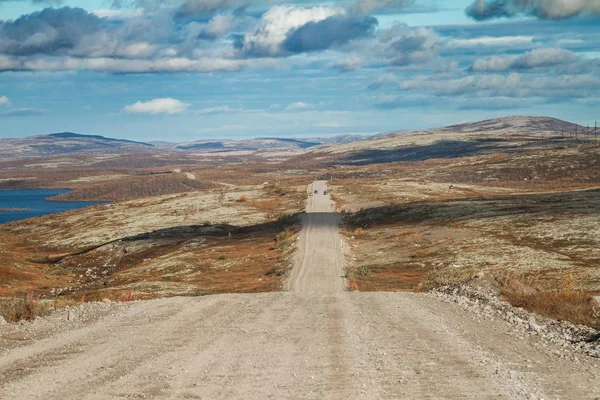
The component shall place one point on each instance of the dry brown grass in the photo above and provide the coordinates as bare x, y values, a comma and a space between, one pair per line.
356, 233
337, 199
26, 308
446, 276
550, 300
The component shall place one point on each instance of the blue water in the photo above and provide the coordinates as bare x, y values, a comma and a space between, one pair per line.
35, 199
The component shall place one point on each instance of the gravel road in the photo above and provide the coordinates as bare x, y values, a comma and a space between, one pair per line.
315, 342
319, 257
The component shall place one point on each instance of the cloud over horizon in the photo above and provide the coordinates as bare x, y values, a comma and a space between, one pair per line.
299, 106
282, 65
165, 105
23, 112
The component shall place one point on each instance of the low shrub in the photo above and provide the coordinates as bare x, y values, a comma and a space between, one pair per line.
361, 271
284, 240
359, 232
26, 308
556, 301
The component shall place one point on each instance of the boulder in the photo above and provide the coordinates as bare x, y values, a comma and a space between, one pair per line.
534, 326
72, 315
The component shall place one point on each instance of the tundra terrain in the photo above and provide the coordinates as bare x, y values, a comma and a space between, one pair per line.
259, 280
317, 341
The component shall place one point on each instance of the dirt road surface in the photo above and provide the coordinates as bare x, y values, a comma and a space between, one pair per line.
315, 343
319, 258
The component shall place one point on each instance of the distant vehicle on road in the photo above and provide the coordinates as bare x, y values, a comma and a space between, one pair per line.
316, 192
325, 192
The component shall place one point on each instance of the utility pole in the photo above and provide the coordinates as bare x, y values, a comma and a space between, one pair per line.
587, 131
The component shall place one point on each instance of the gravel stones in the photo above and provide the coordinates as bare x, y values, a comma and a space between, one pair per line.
485, 303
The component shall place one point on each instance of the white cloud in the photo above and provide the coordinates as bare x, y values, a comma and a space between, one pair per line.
275, 24
4, 101
299, 106
537, 58
219, 25
122, 65
489, 41
405, 45
369, 6
349, 63
157, 106
512, 85
218, 110
118, 15
23, 112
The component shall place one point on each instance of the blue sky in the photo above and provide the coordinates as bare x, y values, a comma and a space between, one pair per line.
182, 70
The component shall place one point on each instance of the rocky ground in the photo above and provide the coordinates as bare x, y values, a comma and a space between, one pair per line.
484, 304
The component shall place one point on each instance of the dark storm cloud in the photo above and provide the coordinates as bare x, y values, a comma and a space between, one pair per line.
545, 9
333, 31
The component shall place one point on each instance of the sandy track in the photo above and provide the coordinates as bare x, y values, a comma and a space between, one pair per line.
303, 345
319, 258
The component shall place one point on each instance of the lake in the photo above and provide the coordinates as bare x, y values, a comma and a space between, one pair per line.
32, 203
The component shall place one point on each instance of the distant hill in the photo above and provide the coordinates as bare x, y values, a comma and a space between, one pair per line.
271, 144
515, 126
481, 137
68, 143
248, 144
493, 135
64, 143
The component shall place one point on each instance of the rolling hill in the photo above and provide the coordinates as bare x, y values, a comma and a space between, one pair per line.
248, 144
68, 143
482, 137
